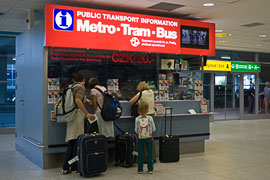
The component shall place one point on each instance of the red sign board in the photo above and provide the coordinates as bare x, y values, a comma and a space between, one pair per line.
77, 27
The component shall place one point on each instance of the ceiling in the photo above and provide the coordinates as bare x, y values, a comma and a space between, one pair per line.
228, 15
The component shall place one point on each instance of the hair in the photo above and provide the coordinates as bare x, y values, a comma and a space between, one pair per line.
79, 77
143, 107
93, 82
143, 86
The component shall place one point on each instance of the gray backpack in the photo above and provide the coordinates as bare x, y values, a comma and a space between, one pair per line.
65, 108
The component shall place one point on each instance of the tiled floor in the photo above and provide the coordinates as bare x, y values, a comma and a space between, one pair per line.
237, 150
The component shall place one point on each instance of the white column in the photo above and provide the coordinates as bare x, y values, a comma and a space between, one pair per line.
31, 18
256, 86
233, 92
241, 92
212, 91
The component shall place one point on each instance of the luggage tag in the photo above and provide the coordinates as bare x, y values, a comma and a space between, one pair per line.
76, 158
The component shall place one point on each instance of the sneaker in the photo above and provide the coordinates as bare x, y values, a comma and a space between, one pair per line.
65, 171
139, 172
150, 172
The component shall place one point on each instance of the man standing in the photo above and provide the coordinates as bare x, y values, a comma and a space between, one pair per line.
76, 127
267, 97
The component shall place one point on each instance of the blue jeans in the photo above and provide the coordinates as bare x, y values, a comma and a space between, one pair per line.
149, 147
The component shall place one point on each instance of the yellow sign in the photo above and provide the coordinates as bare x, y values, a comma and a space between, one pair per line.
223, 34
217, 66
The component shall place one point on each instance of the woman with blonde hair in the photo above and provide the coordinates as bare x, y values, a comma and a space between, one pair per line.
147, 95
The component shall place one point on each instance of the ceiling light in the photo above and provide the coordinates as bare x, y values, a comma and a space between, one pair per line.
14, 59
209, 4
219, 30
222, 41
262, 35
225, 57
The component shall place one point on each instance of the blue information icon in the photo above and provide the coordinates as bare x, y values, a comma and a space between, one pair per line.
63, 20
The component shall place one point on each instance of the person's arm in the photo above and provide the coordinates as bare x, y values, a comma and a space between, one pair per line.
253, 93
94, 102
83, 109
153, 124
134, 99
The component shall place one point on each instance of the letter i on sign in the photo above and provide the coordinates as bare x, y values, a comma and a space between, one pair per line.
63, 19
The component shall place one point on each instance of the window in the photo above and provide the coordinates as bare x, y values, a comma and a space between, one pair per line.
7, 81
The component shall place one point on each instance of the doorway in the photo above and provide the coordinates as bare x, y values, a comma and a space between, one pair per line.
226, 96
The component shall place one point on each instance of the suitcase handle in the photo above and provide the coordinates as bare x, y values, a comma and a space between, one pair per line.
170, 109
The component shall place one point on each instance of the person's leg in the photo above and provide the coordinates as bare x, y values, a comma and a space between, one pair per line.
150, 161
140, 154
266, 105
253, 104
250, 105
74, 166
68, 156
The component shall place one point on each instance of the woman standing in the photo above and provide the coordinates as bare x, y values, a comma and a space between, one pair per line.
105, 127
147, 96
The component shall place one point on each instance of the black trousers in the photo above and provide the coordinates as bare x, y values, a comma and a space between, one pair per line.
71, 153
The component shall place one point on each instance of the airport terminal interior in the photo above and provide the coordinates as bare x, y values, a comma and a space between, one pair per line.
206, 62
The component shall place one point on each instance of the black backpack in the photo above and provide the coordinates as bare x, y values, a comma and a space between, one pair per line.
111, 108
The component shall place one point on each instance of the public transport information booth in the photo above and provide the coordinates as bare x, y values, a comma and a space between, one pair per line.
120, 49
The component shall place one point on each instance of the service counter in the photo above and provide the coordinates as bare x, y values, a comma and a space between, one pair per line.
193, 130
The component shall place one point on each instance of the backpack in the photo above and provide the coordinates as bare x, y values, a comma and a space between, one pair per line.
145, 127
111, 108
65, 108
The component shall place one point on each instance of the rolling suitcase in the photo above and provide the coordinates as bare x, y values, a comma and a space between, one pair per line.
168, 144
125, 150
92, 154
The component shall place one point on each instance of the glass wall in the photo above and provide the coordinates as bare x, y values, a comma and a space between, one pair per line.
226, 96
168, 75
7, 81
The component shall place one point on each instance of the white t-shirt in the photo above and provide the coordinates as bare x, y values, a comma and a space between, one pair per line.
100, 97
148, 96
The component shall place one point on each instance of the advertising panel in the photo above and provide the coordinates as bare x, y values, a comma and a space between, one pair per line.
76, 27
197, 38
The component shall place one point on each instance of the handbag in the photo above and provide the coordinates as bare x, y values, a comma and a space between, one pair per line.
134, 107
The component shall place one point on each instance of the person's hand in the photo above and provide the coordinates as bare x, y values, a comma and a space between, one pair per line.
91, 117
88, 101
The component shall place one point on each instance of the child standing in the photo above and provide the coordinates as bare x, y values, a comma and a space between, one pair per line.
144, 127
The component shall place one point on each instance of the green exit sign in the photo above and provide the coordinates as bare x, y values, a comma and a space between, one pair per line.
246, 67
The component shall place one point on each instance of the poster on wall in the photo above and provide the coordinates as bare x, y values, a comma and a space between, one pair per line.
53, 90
167, 64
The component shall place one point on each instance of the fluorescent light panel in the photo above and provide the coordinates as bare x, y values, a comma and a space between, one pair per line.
208, 4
